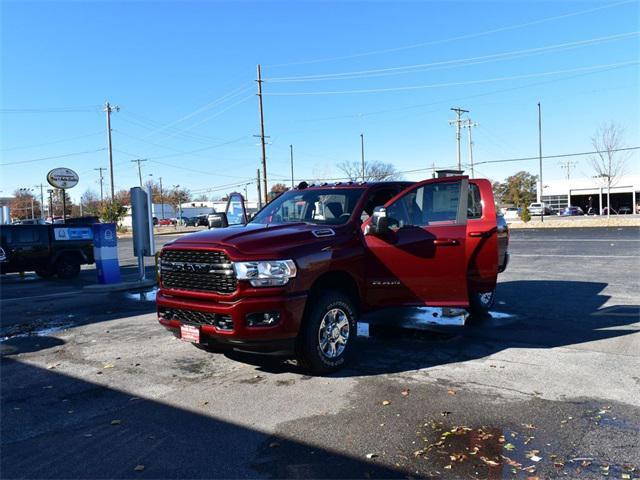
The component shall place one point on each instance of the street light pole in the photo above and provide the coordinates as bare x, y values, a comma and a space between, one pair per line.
541, 189
291, 151
362, 155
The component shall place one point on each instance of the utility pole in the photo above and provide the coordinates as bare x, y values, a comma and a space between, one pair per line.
291, 151
41, 199
259, 190
568, 165
161, 198
541, 188
458, 122
100, 169
139, 161
362, 155
264, 150
50, 192
469, 124
110, 108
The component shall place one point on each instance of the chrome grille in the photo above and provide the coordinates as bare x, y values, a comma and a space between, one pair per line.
197, 270
194, 317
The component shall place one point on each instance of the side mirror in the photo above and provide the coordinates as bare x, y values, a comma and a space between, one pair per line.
379, 225
218, 220
236, 211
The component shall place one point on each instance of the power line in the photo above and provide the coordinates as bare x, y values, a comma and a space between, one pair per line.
211, 117
378, 72
235, 92
51, 158
50, 143
453, 84
148, 124
456, 99
556, 156
453, 39
91, 108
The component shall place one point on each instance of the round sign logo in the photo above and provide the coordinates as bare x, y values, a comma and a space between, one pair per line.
62, 178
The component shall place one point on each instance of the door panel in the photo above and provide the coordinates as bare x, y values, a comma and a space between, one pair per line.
422, 260
482, 238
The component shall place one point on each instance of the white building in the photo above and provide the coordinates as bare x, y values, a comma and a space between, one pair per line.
585, 192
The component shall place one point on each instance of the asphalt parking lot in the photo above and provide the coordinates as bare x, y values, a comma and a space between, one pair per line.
549, 386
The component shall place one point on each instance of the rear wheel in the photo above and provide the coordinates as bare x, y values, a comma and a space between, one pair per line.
481, 302
326, 339
67, 267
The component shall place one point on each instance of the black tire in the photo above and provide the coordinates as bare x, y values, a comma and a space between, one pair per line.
481, 302
45, 273
67, 267
332, 308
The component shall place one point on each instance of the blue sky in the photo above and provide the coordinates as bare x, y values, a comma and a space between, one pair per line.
183, 75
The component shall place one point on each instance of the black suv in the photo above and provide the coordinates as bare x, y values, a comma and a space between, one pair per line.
46, 249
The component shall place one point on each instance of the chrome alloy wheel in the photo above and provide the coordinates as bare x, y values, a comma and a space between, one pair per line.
333, 333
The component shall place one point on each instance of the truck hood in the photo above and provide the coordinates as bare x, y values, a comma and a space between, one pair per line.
255, 239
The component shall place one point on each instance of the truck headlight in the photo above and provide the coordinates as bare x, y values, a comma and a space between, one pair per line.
268, 273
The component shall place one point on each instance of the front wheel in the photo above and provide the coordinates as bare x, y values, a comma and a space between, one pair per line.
67, 267
44, 273
481, 302
326, 339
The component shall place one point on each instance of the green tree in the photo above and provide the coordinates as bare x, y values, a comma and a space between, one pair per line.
113, 212
518, 189
525, 215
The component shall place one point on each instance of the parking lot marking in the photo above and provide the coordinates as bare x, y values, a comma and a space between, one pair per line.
569, 256
618, 311
612, 240
59, 294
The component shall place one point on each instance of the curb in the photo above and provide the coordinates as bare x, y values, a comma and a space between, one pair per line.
121, 286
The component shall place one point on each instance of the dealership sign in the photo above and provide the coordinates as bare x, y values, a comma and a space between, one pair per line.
62, 178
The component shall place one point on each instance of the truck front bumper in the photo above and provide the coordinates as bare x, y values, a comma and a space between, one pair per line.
227, 325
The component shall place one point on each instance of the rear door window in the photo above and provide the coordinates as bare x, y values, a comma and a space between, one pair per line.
26, 235
474, 204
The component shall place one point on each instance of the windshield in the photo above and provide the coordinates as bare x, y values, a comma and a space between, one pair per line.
327, 206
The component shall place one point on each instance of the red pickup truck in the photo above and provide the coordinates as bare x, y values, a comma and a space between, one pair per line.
298, 276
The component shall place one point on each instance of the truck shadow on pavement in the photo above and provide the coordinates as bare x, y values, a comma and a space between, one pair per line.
58, 426
529, 314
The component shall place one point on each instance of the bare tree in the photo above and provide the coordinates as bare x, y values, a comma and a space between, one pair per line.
373, 171
609, 163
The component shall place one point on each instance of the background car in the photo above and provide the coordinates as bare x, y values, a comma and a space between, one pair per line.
190, 221
511, 213
626, 210
539, 209
165, 221
571, 211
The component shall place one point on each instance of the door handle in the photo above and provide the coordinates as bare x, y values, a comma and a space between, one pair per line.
480, 234
446, 242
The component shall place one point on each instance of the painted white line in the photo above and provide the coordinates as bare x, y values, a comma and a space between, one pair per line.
570, 240
570, 256
50, 295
